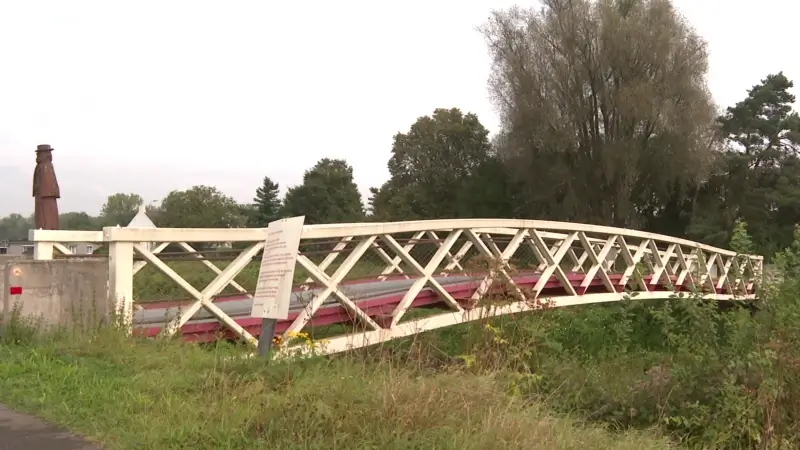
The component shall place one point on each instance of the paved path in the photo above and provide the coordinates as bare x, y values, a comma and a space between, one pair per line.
24, 432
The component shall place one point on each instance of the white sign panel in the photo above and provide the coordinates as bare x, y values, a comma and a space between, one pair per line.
274, 286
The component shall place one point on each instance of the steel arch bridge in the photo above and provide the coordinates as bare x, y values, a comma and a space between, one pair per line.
368, 283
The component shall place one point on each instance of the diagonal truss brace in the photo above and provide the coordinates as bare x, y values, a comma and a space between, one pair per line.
453, 261
331, 287
204, 298
598, 262
501, 258
393, 264
662, 268
329, 259
426, 275
632, 261
552, 262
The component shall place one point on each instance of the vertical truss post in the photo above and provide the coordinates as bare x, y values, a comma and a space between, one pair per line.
120, 280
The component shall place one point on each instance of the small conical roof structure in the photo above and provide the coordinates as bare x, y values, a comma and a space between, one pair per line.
141, 220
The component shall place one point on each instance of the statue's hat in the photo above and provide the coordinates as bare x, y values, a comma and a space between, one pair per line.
44, 148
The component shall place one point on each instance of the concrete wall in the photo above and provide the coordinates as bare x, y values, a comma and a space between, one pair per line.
8, 258
4, 259
68, 293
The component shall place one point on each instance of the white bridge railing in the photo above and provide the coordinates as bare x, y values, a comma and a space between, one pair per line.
638, 261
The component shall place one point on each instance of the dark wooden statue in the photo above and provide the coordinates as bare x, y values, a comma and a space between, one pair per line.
45, 190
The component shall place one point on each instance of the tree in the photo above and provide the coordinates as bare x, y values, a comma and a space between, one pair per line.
267, 203
431, 165
604, 110
488, 192
199, 207
79, 221
392, 201
757, 174
119, 209
328, 194
15, 227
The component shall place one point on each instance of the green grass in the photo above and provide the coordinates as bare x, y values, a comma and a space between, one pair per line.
134, 394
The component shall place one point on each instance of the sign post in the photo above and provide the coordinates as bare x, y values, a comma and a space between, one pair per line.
274, 287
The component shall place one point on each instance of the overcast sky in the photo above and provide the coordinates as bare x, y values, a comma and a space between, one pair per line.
151, 96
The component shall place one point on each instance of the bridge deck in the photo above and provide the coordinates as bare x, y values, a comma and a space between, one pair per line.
376, 298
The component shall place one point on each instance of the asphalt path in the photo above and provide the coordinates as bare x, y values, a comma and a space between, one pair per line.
25, 432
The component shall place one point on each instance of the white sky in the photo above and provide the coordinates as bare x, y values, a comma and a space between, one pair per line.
150, 96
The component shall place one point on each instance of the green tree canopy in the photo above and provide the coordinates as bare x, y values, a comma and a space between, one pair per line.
79, 221
15, 227
757, 173
328, 194
604, 108
431, 167
119, 209
199, 207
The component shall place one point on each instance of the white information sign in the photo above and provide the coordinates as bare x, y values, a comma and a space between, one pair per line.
274, 286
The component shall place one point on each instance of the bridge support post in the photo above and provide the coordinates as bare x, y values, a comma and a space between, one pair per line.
42, 245
120, 280
43, 251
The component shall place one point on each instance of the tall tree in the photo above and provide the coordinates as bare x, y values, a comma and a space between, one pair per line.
604, 110
267, 203
757, 175
119, 209
431, 165
199, 207
328, 194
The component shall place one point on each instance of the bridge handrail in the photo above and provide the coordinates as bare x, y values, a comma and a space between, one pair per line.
119, 234
47, 240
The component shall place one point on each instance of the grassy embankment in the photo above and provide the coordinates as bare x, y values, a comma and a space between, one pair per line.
630, 375
133, 395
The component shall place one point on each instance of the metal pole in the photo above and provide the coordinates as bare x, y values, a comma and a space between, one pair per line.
265, 338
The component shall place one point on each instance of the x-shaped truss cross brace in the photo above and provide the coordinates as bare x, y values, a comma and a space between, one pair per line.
598, 261
501, 259
204, 298
393, 264
426, 274
706, 278
139, 265
331, 287
552, 261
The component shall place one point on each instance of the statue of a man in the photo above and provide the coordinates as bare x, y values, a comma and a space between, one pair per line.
45, 190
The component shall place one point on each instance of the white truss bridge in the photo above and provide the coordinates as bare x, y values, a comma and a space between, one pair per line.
365, 283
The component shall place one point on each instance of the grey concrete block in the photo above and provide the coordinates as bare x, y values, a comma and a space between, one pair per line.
63, 293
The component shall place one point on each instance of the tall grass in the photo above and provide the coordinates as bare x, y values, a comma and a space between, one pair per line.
130, 393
